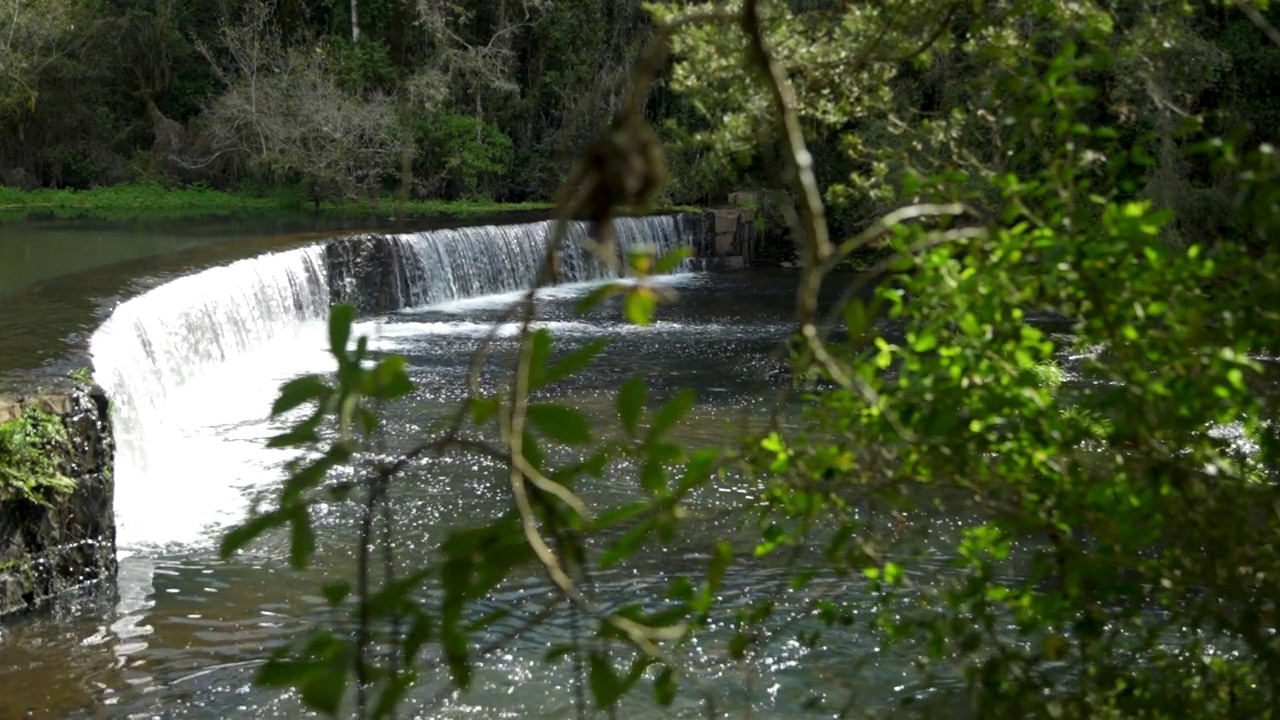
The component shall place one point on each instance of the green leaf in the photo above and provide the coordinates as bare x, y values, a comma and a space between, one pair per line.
341, 318
323, 690
335, 593
924, 343
631, 401
393, 694
653, 476
318, 671
572, 363
612, 517
640, 306
719, 564
560, 423
539, 354
555, 652
626, 546
670, 261
456, 655
310, 476
298, 391
533, 451
594, 297
893, 573
605, 684
482, 409
388, 380
302, 538
284, 672
248, 531
670, 413
698, 470
664, 687
304, 433
855, 317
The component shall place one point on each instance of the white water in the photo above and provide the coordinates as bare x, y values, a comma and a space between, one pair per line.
185, 357
192, 366
444, 265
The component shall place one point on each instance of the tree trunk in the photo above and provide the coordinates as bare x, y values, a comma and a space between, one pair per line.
355, 21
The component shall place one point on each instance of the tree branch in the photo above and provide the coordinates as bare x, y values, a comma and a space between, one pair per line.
1256, 18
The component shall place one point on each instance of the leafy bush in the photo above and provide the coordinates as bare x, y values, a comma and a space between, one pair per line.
363, 67
459, 155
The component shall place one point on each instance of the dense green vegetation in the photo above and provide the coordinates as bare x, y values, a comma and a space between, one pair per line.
150, 200
427, 100
322, 100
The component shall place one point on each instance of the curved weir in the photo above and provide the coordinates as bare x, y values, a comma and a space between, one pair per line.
242, 328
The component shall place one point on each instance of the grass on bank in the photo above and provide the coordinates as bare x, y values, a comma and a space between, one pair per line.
141, 200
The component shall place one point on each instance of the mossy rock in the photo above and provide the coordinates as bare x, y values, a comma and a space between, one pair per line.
31, 448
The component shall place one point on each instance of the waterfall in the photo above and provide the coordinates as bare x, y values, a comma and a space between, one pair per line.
454, 264
384, 273
186, 364
154, 347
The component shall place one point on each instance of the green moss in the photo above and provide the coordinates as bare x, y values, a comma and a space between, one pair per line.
29, 448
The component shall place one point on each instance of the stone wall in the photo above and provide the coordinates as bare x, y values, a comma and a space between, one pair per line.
68, 543
731, 238
362, 273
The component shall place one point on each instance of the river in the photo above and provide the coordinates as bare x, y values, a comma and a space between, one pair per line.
186, 633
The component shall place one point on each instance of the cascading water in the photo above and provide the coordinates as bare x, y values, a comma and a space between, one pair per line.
188, 363
149, 351
432, 267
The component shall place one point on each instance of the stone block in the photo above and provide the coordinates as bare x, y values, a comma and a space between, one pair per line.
53, 404
10, 409
727, 220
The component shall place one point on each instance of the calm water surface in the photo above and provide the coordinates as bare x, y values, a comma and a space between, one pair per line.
33, 251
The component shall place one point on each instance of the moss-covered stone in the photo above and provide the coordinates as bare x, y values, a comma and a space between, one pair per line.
57, 525
31, 446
